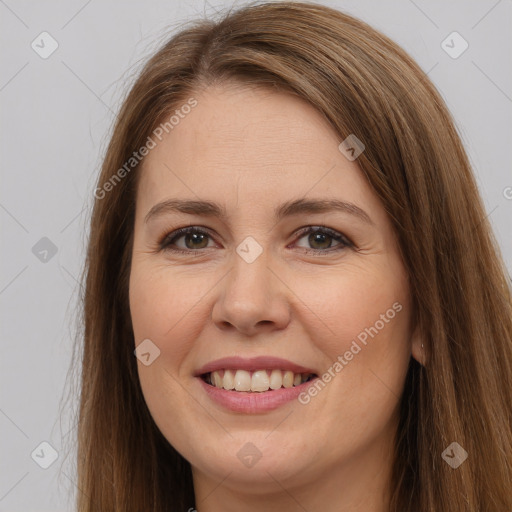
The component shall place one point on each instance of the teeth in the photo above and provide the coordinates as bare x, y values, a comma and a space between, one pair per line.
276, 379
258, 381
217, 380
242, 380
288, 379
228, 382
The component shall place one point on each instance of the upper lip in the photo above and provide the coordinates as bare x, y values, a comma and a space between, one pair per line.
252, 364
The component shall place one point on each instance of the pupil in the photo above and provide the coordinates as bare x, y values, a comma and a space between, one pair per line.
319, 237
195, 237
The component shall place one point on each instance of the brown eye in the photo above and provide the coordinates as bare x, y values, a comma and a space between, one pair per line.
194, 239
320, 239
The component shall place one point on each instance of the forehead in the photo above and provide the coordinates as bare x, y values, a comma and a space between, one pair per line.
249, 144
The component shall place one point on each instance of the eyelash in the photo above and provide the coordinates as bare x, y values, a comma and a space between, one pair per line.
168, 239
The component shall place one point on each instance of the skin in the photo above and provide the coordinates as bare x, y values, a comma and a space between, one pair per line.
250, 150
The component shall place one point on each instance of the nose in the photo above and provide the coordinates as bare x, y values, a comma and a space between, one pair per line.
253, 298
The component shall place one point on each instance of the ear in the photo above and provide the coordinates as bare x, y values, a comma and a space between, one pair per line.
418, 346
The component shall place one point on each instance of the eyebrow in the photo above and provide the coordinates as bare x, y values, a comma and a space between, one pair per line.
288, 209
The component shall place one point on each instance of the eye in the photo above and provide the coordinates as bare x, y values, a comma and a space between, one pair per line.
320, 239
194, 238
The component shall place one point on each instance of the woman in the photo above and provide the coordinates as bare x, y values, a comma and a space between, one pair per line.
293, 299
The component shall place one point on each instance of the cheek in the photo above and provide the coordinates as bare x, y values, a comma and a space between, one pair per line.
164, 308
356, 304
361, 326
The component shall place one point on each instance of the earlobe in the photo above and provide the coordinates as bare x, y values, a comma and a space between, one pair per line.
418, 350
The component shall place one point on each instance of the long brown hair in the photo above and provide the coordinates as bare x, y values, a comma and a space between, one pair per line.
363, 84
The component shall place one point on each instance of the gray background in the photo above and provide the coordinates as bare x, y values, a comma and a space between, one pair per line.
56, 118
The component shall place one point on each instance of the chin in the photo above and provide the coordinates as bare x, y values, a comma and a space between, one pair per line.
255, 462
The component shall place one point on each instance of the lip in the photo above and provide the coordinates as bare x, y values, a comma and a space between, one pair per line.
254, 402
252, 364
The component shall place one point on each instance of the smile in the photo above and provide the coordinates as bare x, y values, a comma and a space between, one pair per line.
257, 381
254, 385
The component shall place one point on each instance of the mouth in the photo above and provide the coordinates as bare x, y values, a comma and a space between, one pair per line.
259, 381
256, 385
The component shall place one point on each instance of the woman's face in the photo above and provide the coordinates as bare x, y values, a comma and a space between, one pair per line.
256, 296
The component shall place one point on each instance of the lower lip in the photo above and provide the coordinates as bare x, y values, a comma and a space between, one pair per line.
254, 402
